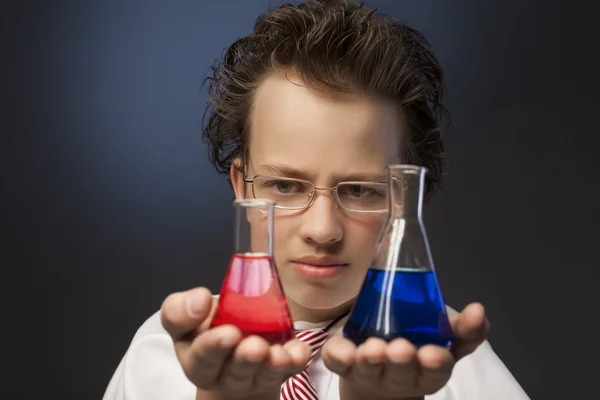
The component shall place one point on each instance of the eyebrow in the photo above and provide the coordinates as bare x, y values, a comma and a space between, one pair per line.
289, 172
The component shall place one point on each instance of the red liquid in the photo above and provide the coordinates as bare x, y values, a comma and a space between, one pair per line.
252, 299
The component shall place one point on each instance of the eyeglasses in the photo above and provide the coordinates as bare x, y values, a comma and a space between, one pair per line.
297, 194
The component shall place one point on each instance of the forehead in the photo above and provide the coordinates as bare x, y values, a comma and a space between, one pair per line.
325, 135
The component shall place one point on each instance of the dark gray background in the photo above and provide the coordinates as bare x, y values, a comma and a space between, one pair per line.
109, 203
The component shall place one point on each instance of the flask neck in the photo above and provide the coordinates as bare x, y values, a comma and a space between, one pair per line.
253, 229
406, 183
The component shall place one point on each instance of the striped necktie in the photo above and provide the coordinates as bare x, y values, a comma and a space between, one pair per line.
298, 387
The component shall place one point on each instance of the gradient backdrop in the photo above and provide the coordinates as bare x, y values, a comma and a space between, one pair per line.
109, 203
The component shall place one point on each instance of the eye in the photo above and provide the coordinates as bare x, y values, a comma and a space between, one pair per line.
282, 186
359, 191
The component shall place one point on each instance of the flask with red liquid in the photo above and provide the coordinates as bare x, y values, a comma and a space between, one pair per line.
251, 296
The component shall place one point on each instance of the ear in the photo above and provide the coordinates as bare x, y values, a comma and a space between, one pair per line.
236, 175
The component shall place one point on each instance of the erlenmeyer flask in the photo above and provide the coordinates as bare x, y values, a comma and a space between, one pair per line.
400, 296
251, 296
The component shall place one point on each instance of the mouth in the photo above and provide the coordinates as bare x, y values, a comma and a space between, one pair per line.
319, 268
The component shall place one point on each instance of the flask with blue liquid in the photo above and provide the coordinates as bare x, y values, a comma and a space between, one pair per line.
400, 296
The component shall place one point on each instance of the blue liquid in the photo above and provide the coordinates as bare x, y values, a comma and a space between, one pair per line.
401, 303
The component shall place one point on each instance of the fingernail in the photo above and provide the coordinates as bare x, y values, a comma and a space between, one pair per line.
473, 311
193, 303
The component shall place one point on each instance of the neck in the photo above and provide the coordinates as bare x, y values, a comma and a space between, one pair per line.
301, 313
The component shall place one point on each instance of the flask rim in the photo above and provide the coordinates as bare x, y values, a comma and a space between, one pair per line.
254, 203
407, 167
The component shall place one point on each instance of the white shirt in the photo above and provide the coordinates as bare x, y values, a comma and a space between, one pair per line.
150, 370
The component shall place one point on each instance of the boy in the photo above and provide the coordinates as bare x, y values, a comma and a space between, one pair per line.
319, 94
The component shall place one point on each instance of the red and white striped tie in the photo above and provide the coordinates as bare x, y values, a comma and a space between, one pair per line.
298, 387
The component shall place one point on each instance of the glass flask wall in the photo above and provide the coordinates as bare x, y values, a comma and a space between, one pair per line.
251, 296
401, 296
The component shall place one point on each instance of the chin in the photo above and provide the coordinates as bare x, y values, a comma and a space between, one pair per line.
319, 299
319, 295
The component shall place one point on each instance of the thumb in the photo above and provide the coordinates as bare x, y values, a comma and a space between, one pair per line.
183, 312
470, 328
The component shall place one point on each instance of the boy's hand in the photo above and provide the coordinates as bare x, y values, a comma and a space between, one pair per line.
397, 370
217, 360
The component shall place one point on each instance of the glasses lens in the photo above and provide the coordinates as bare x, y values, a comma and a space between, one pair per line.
285, 192
363, 196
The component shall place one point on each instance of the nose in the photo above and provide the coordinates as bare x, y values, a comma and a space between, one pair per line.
321, 222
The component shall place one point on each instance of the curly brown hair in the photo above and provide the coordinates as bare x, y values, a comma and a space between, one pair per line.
339, 46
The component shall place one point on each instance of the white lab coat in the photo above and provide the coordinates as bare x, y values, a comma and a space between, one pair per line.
150, 370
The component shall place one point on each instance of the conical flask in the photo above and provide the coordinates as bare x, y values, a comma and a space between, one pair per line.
400, 296
251, 296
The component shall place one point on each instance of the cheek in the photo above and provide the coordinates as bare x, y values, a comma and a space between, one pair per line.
365, 229
283, 233
361, 239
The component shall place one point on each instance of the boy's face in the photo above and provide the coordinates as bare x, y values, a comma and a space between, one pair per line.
325, 140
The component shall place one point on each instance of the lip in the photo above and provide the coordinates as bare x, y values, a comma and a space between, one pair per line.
319, 268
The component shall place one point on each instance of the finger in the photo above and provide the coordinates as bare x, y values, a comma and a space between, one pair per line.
275, 370
339, 354
402, 370
299, 353
370, 359
238, 371
203, 360
436, 365
470, 329
182, 313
